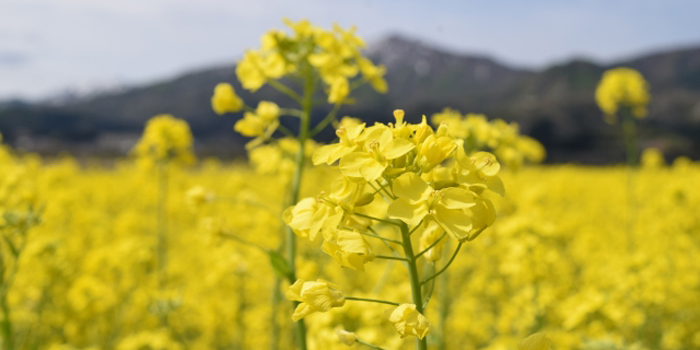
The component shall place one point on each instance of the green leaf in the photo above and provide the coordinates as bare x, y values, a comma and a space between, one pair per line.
279, 264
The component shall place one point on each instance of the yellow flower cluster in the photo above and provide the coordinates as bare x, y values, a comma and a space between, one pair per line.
334, 54
622, 88
501, 138
432, 187
165, 140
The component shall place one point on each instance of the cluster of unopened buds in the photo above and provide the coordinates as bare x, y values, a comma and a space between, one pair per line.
431, 189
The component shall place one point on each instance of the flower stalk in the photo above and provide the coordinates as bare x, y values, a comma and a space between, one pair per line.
414, 280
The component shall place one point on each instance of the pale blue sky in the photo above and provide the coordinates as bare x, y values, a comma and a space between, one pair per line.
50, 45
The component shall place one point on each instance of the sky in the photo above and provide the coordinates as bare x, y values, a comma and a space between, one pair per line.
48, 46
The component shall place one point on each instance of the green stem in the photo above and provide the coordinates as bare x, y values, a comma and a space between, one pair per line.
378, 301
245, 242
454, 255
430, 246
386, 257
630, 131
371, 346
377, 219
380, 237
289, 92
414, 279
306, 105
322, 125
283, 129
162, 223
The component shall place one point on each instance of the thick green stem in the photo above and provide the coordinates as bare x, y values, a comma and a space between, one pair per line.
306, 105
414, 279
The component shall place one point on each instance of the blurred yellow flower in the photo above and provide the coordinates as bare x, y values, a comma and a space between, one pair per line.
225, 99
537, 341
623, 88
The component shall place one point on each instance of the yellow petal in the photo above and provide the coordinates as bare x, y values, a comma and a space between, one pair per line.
324, 154
409, 213
457, 198
302, 311
372, 170
294, 291
411, 187
396, 148
454, 221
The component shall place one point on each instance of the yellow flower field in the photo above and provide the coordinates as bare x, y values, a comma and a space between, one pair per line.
348, 244
572, 254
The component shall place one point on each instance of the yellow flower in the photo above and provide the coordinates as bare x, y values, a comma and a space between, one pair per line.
274, 66
198, 196
623, 87
225, 99
349, 194
349, 248
537, 341
380, 148
478, 172
249, 71
261, 124
448, 206
166, 138
373, 74
408, 321
301, 29
340, 89
309, 217
347, 338
319, 296
434, 150
251, 125
268, 111
347, 143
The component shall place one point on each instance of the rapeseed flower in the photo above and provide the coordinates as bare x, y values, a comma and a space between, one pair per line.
318, 296
408, 321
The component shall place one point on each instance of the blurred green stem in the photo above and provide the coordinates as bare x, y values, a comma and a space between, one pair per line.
630, 130
306, 105
162, 223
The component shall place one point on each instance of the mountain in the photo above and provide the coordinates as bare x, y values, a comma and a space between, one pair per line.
554, 105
